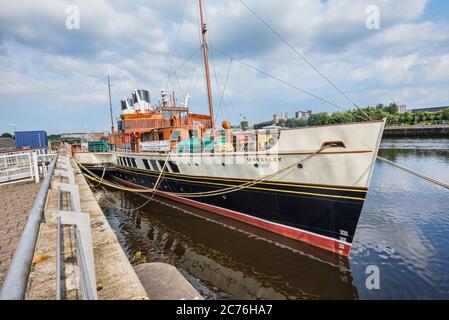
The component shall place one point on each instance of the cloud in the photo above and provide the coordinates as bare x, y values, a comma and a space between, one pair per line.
43, 62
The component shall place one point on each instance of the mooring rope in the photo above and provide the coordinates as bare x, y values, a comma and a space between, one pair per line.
101, 181
90, 175
420, 175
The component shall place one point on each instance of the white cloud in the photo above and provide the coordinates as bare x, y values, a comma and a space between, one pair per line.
397, 69
132, 42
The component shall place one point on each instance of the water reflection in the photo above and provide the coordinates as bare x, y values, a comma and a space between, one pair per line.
404, 226
232, 261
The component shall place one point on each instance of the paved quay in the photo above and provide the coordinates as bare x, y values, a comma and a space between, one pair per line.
76, 254
16, 201
115, 277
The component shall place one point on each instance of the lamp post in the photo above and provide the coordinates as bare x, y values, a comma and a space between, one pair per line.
14, 129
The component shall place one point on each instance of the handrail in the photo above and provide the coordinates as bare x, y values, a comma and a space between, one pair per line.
88, 292
16, 280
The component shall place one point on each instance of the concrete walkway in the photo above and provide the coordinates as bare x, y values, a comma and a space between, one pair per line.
16, 201
115, 277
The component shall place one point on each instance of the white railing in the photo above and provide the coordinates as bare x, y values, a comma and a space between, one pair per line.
24, 165
18, 167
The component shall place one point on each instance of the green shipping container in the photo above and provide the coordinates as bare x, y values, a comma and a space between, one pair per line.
97, 146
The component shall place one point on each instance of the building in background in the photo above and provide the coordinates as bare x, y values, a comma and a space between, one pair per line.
402, 109
244, 125
284, 116
431, 109
83, 136
275, 119
303, 114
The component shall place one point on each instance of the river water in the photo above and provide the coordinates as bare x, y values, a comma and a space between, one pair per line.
401, 245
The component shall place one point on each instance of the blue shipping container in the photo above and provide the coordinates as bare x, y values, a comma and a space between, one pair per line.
31, 139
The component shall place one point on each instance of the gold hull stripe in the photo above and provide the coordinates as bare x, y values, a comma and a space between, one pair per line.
147, 172
255, 188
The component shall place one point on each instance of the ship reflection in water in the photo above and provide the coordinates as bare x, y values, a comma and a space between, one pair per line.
220, 260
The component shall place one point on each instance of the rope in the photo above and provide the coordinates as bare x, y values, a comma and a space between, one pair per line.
303, 57
226, 190
224, 89
176, 44
102, 176
127, 209
101, 181
420, 175
284, 82
179, 83
181, 64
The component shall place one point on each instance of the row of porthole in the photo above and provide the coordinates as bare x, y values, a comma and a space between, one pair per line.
300, 166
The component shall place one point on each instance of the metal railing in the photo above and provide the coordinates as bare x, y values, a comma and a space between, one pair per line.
16, 280
24, 165
16, 167
88, 292
71, 215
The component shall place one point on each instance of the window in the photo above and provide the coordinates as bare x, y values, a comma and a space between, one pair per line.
193, 133
174, 167
155, 165
133, 162
161, 163
125, 160
175, 135
146, 164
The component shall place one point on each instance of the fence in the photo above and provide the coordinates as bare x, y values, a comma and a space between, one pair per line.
17, 167
23, 165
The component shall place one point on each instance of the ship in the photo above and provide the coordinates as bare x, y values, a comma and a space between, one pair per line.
307, 184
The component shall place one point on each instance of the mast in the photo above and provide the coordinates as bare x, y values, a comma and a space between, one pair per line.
110, 106
206, 67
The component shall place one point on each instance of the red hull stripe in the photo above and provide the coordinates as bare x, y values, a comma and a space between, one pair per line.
326, 243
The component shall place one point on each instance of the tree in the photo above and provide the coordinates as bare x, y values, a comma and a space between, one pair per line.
295, 123
318, 119
342, 117
54, 137
6, 135
445, 114
392, 108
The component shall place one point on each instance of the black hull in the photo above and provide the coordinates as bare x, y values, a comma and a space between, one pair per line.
321, 215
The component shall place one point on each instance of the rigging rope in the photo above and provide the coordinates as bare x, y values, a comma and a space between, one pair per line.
182, 64
224, 89
284, 82
176, 44
303, 57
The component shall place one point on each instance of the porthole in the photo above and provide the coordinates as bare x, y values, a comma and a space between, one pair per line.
256, 165
300, 166
223, 164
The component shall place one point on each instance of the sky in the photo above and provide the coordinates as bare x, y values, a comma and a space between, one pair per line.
54, 77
